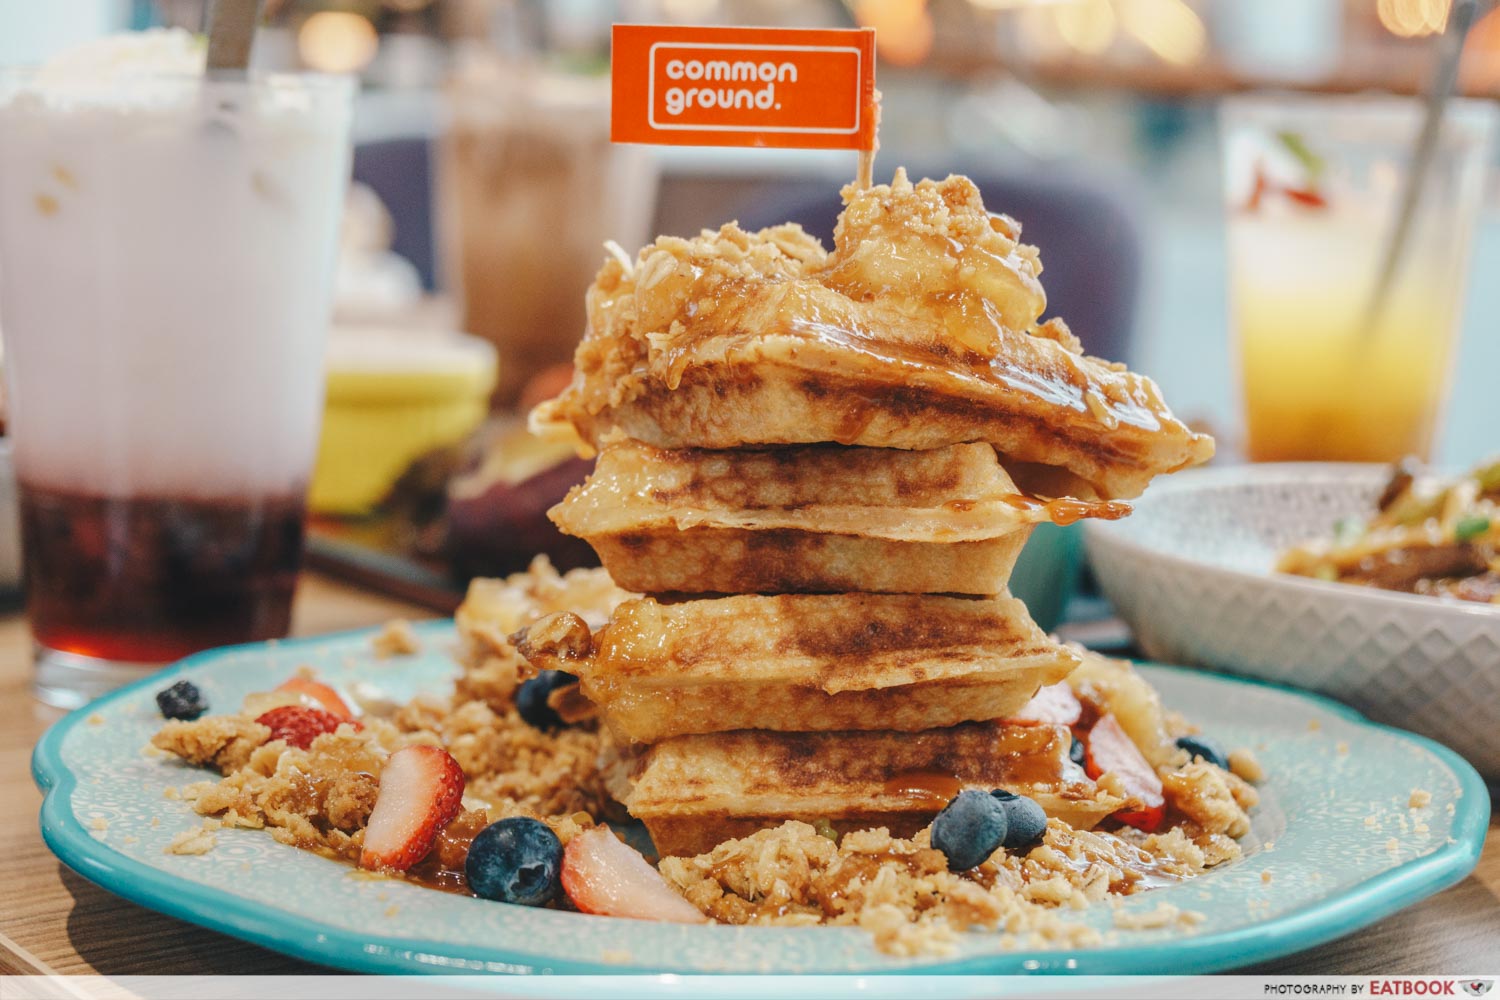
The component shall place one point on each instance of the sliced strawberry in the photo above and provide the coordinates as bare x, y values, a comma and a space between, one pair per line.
1110, 750
299, 725
1145, 820
601, 874
319, 692
1053, 705
421, 790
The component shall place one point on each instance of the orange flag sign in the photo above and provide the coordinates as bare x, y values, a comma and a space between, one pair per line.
783, 87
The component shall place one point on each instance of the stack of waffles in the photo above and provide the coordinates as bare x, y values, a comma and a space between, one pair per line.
805, 478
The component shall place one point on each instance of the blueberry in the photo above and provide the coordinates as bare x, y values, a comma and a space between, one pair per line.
1025, 822
1077, 753
531, 698
182, 700
969, 829
1202, 746
517, 860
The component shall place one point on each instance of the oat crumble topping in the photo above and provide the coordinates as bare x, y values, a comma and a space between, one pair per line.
1245, 765
1164, 915
195, 841
898, 889
397, 638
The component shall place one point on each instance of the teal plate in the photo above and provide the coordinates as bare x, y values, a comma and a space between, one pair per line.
1333, 847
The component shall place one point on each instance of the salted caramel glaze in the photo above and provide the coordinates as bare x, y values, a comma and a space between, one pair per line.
923, 328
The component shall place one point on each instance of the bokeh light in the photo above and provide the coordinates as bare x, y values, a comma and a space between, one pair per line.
335, 41
903, 28
1088, 26
1171, 29
1413, 18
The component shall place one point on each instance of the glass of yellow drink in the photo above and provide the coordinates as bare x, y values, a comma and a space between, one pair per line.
1330, 368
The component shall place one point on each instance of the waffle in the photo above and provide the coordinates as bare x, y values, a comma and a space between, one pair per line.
807, 662
919, 331
694, 792
820, 518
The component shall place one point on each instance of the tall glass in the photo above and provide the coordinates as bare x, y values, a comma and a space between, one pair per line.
166, 256
1330, 369
530, 187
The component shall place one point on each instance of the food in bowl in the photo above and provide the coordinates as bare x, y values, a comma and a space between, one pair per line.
1193, 574
1427, 535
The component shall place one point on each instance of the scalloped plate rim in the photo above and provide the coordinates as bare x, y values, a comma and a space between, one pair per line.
292, 934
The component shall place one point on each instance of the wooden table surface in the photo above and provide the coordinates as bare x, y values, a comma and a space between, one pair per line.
53, 921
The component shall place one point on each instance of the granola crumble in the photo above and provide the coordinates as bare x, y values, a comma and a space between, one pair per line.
195, 841
1245, 765
898, 889
320, 798
225, 741
397, 638
902, 890
1163, 915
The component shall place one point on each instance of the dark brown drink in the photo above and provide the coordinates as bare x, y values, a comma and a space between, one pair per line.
529, 188
152, 579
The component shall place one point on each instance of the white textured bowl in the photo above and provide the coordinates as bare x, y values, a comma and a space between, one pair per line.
1191, 573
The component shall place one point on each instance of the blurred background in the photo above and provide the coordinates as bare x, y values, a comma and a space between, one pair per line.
487, 183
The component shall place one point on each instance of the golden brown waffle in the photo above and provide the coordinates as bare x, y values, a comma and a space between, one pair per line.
820, 518
810, 662
694, 792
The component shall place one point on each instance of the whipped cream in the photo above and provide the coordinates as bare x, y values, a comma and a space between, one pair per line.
127, 56
133, 69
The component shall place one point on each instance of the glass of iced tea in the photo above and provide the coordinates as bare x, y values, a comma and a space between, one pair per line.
166, 252
530, 188
1329, 368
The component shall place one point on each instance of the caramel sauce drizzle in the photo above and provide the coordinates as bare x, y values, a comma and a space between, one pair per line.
432, 876
931, 788
443, 867
1067, 510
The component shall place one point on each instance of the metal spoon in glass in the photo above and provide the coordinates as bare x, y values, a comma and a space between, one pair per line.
230, 35
1450, 48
